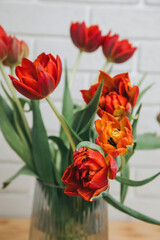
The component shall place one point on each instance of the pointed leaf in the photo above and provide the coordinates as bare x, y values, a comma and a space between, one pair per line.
133, 183
143, 92
124, 188
67, 109
9, 133
85, 116
41, 152
134, 124
91, 146
113, 202
25, 170
142, 79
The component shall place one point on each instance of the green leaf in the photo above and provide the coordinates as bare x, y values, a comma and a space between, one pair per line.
68, 107
143, 92
113, 202
133, 183
142, 79
9, 133
83, 119
91, 146
25, 170
60, 161
135, 122
148, 141
124, 188
41, 152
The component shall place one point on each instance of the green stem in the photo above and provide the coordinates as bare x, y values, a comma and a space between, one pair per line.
105, 65
75, 69
62, 122
122, 163
12, 90
12, 71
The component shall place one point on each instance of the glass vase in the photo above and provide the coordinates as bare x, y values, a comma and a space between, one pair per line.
56, 216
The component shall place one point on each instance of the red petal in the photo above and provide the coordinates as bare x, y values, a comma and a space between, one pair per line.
112, 166
25, 90
99, 180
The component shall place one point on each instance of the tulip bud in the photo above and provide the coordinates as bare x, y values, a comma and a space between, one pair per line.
25, 49
14, 52
3, 44
158, 117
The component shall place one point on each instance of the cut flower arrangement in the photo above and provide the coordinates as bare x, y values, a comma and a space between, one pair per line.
88, 152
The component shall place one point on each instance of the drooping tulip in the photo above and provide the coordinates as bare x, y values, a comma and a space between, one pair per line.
87, 39
115, 50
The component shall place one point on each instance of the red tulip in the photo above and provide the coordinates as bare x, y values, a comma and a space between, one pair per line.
117, 98
16, 51
39, 78
3, 44
89, 175
115, 50
87, 39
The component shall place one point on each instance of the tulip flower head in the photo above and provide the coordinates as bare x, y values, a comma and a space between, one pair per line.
16, 51
87, 39
89, 174
39, 78
117, 51
117, 98
114, 136
3, 44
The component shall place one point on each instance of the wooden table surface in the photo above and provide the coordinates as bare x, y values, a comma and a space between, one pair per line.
18, 229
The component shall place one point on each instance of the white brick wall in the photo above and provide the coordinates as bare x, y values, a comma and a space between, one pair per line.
44, 25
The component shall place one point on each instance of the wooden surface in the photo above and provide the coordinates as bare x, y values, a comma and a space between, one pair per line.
18, 229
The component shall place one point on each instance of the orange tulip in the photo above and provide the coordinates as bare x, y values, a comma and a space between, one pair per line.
117, 98
114, 136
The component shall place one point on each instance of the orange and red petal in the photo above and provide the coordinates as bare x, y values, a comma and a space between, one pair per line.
112, 166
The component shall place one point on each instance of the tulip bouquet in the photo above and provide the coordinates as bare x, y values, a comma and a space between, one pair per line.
88, 151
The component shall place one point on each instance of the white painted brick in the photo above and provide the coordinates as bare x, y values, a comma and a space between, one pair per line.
147, 120
116, 19
150, 189
153, 2
40, 18
152, 96
15, 205
7, 154
102, 1
148, 158
22, 184
149, 57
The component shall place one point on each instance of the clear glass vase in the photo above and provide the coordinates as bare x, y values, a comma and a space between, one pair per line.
56, 216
